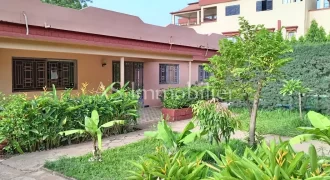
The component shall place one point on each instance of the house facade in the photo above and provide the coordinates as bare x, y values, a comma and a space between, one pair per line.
43, 44
221, 16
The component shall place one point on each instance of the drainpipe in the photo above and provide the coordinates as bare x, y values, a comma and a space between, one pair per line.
26, 23
171, 42
207, 49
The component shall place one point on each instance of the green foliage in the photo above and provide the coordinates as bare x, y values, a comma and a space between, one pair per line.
320, 130
311, 65
175, 140
201, 145
115, 162
316, 34
75, 4
93, 128
274, 161
248, 64
293, 86
163, 165
177, 98
33, 124
215, 119
279, 122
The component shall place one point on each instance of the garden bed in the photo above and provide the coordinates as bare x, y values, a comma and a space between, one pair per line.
177, 114
116, 162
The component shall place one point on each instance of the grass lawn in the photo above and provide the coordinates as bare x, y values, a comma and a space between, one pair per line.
116, 162
280, 122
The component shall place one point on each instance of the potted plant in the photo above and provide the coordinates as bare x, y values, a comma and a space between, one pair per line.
177, 102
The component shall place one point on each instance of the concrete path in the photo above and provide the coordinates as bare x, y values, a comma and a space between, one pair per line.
30, 166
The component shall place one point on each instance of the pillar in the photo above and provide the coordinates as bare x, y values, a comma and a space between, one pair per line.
189, 75
202, 15
198, 17
122, 71
173, 19
322, 4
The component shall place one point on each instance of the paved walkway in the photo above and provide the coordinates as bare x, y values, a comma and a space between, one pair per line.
29, 166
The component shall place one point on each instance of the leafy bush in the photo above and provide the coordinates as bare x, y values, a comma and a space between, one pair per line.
215, 119
33, 124
274, 161
162, 165
177, 98
202, 145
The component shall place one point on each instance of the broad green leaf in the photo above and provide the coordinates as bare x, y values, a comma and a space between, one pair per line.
109, 88
95, 117
302, 138
112, 123
34, 131
318, 120
70, 132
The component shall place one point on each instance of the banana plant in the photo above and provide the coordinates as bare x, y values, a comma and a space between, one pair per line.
94, 130
320, 130
174, 140
270, 162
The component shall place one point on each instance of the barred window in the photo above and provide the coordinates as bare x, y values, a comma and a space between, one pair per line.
31, 74
168, 74
233, 10
264, 5
202, 74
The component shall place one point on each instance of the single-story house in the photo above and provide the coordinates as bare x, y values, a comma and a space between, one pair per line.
43, 44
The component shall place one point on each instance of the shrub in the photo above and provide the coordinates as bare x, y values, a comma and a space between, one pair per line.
177, 98
162, 165
274, 161
215, 119
33, 124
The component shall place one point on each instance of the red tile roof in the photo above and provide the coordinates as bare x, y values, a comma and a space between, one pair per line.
197, 5
101, 22
191, 7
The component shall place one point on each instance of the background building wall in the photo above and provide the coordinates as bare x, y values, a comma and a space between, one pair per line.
291, 14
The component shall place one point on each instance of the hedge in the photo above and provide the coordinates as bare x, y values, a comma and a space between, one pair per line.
32, 124
311, 64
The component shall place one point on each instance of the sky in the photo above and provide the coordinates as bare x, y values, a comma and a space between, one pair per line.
155, 12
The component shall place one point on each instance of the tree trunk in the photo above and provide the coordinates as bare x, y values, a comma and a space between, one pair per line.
254, 114
300, 108
248, 104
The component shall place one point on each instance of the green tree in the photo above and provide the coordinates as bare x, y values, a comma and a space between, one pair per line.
316, 33
254, 59
301, 39
294, 86
75, 4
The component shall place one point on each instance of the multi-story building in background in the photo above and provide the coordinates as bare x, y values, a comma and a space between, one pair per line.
221, 16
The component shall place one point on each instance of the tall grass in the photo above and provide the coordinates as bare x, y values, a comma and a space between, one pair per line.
278, 122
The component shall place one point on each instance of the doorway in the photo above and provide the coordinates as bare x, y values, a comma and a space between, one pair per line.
133, 75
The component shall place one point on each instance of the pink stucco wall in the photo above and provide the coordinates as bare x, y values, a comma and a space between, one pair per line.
151, 79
